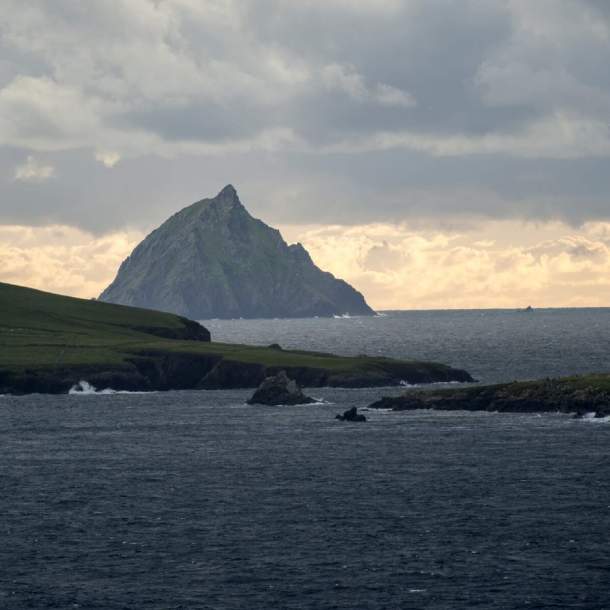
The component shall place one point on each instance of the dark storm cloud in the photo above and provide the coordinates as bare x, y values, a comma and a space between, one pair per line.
339, 111
302, 188
432, 49
194, 122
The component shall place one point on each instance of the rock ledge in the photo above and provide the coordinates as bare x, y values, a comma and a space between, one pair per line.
351, 415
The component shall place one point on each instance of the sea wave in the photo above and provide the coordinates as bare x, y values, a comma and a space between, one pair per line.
318, 403
590, 417
406, 384
84, 388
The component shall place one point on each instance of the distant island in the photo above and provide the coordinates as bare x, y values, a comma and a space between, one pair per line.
213, 260
49, 343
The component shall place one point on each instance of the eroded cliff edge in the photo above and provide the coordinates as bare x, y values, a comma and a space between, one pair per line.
49, 342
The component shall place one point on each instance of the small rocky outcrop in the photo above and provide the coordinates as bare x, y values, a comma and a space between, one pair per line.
351, 415
279, 390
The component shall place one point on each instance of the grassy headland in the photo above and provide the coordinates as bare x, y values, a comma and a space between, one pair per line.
49, 342
579, 394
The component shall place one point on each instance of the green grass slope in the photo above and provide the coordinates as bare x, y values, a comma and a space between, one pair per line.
40, 329
48, 341
579, 394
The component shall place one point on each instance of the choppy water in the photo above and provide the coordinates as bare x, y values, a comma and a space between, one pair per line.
493, 345
194, 500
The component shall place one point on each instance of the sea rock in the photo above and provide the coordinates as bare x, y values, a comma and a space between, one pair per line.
351, 415
279, 390
214, 260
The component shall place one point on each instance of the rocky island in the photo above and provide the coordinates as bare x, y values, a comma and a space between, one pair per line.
49, 342
578, 395
351, 415
279, 390
214, 260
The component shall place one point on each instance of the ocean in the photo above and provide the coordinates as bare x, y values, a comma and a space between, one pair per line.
195, 500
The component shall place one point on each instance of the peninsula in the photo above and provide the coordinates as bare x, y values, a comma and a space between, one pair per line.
580, 395
49, 342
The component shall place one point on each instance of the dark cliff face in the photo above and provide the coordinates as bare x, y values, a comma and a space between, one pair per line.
213, 260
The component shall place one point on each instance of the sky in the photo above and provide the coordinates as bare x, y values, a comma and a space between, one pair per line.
434, 153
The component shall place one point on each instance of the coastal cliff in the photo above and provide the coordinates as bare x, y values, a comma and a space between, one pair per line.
49, 342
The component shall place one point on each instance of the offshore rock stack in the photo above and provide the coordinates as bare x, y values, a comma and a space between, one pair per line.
279, 390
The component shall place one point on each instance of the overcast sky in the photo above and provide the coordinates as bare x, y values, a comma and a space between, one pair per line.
468, 140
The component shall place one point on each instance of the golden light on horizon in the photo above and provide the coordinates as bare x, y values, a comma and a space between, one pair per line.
485, 265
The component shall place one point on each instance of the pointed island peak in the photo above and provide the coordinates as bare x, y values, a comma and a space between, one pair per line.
226, 198
212, 259
228, 191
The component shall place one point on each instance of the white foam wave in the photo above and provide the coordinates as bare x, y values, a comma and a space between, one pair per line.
84, 388
590, 417
406, 384
319, 402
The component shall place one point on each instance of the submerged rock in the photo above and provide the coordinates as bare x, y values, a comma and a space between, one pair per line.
351, 415
279, 390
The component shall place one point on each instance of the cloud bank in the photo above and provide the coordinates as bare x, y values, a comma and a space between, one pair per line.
396, 266
497, 98
432, 114
62, 259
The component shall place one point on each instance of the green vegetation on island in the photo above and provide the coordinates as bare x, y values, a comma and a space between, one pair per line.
49, 342
212, 259
580, 395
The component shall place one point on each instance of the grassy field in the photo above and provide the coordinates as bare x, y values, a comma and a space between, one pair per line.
43, 331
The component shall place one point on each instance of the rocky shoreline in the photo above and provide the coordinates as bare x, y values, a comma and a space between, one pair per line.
49, 343
162, 371
576, 395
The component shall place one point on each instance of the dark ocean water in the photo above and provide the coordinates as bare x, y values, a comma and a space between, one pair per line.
194, 500
493, 345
